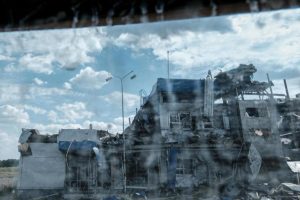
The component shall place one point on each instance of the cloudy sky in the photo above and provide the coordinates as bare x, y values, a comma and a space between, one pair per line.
56, 78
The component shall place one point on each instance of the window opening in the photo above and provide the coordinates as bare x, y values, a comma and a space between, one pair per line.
180, 120
184, 166
251, 112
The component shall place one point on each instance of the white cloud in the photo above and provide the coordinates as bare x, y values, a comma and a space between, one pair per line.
35, 109
77, 46
13, 114
37, 63
119, 120
53, 116
65, 48
126, 40
39, 81
130, 100
11, 92
67, 86
88, 78
193, 51
5, 58
8, 146
11, 67
42, 91
70, 112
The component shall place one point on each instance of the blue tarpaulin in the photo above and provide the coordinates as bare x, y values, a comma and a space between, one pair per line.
74, 147
179, 85
111, 198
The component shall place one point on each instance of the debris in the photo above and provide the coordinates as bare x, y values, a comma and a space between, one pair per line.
139, 196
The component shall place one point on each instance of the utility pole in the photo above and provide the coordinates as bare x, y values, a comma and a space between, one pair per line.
121, 78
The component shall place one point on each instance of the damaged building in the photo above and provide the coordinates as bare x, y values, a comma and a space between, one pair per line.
225, 133
68, 161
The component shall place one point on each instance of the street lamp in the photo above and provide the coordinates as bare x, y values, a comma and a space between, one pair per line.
121, 78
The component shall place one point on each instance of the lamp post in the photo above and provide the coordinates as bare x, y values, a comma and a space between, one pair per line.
168, 52
121, 78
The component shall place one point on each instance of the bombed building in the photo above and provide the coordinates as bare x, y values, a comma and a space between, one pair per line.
226, 133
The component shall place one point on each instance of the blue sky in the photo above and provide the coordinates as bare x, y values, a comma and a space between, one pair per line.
55, 79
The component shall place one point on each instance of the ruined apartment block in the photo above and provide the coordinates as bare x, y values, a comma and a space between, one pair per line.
188, 135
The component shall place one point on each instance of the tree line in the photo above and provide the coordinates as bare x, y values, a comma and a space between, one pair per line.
9, 163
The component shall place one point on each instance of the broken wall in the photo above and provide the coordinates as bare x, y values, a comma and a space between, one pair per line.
44, 169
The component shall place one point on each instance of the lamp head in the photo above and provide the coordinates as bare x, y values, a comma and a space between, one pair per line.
133, 76
108, 79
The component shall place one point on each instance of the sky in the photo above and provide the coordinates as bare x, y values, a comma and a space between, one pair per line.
54, 79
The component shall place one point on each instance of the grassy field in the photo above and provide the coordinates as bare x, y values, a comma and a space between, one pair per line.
8, 172
7, 179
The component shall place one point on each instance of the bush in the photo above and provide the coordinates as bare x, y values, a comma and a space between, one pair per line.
6, 185
9, 163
